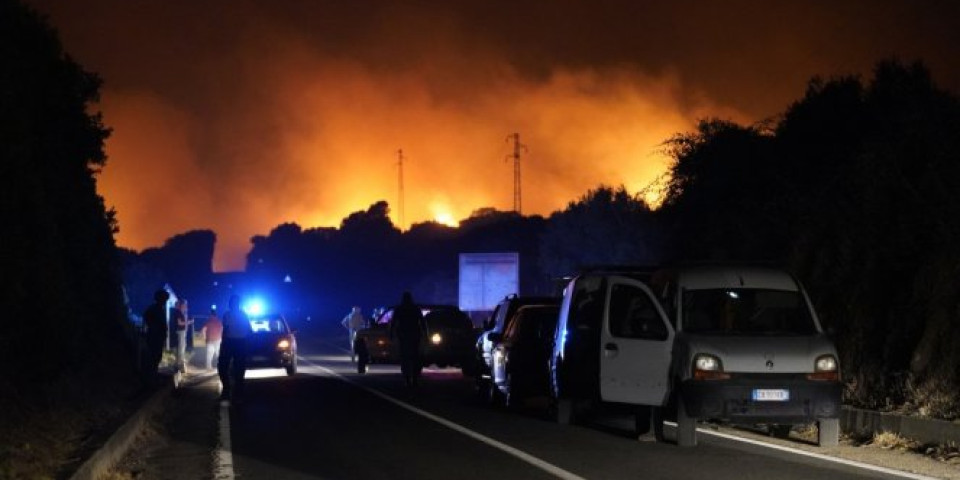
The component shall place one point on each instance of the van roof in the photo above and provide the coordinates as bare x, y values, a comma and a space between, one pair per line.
735, 276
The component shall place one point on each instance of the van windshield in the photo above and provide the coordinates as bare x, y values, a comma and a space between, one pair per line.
732, 311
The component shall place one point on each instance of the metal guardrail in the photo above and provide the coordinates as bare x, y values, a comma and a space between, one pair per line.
924, 430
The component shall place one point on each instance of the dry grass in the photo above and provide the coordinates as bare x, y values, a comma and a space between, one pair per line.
47, 431
894, 441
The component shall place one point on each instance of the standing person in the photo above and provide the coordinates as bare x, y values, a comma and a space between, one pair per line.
352, 322
232, 365
155, 322
212, 334
179, 321
408, 328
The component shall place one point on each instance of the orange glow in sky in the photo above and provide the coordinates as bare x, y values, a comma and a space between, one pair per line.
240, 115
335, 153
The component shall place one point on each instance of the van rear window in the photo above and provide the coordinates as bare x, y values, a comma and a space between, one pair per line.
732, 311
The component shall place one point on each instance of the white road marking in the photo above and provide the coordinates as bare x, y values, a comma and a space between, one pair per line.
223, 464
797, 451
520, 454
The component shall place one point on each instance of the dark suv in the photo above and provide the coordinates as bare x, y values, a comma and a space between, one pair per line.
503, 314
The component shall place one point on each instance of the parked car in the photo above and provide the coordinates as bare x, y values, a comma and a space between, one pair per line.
522, 352
273, 344
499, 321
448, 341
742, 345
450, 337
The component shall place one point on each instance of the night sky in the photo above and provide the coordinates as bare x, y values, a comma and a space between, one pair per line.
238, 115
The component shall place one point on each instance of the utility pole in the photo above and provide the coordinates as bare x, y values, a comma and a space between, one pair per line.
400, 188
517, 147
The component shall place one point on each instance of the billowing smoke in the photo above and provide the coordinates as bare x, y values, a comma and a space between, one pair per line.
240, 115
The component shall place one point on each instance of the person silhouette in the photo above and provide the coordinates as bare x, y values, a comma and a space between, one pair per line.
408, 328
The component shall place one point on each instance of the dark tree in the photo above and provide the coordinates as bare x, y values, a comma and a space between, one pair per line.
604, 227
60, 275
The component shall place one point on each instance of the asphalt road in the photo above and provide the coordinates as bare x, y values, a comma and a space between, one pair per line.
329, 422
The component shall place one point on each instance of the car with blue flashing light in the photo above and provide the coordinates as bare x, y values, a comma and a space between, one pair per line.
448, 341
738, 344
272, 343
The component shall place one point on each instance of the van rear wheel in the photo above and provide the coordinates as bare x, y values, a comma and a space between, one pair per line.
642, 420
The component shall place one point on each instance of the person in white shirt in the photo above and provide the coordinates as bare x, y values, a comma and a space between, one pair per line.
352, 322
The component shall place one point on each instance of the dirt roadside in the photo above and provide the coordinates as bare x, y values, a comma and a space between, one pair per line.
897, 455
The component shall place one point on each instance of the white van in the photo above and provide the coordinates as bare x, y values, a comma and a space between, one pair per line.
742, 345
749, 349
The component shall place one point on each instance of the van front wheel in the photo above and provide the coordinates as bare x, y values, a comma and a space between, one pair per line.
686, 425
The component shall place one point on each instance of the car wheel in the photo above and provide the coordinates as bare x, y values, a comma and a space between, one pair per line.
483, 389
510, 399
642, 419
828, 432
686, 425
779, 430
658, 417
563, 411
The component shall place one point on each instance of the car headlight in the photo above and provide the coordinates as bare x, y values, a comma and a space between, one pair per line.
825, 363
708, 367
283, 344
825, 368
436, 339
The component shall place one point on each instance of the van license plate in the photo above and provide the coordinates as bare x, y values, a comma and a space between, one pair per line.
771, 395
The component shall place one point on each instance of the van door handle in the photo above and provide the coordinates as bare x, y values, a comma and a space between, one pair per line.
610, 350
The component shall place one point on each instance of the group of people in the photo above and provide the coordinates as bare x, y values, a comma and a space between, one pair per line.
225, 338
407, 327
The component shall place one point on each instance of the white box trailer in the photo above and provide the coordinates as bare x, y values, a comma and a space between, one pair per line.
485, 278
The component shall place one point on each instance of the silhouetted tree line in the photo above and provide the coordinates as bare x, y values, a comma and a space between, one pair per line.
184, 263
855, 189
368, 261
61, 291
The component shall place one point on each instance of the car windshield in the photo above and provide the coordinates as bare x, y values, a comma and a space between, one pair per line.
733, 311
267, 325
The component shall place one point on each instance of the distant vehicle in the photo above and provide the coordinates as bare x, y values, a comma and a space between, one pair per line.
520, 359
272, 344
500, 320
448, 341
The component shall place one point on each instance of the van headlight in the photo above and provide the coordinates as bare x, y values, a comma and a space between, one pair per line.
283, 344
825, 368
436, 339
708, 367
